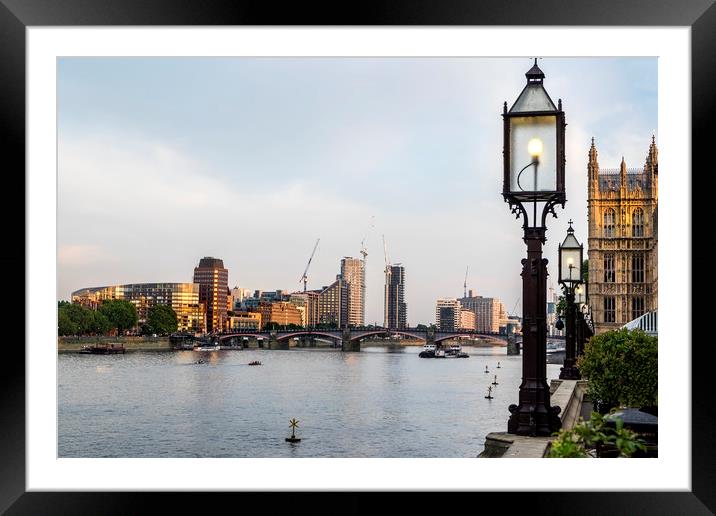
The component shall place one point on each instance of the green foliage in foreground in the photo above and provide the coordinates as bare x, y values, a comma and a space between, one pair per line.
595, 433
622, 369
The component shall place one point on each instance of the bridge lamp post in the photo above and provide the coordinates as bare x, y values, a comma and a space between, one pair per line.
533, 185
570, 277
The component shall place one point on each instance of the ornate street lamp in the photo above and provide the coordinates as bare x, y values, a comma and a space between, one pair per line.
533, 185
570, 276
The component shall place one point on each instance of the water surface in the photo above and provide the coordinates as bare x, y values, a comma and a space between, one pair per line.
376, 403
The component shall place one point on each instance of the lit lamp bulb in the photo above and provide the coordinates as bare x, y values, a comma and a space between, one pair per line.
534, 147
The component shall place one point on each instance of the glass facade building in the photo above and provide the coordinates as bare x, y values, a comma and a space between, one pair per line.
182, 297
213, 280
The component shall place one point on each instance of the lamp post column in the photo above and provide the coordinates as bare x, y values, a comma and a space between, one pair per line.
580, 334
534, 415
569, 371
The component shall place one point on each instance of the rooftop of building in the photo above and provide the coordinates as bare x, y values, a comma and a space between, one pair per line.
209, 262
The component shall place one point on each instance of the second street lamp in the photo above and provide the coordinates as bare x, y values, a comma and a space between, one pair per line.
533, 185
570, 276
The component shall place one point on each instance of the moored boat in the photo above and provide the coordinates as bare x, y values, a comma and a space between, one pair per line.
102, 349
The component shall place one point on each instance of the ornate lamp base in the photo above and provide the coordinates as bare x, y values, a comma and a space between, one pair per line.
569, 373
534, 420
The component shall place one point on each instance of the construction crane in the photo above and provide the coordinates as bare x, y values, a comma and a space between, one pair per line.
511, 313
304, 278
464, 285
385, 253
363, 249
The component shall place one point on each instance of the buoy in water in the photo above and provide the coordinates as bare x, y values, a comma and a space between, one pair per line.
489, 393
293, 439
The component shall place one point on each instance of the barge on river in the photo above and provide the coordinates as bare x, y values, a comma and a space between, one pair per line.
102, 349
438, 351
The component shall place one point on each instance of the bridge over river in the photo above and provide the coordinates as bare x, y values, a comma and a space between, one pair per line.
350, 338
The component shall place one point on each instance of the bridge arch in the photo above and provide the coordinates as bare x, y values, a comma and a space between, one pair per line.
232, 335
309, 333
371, 333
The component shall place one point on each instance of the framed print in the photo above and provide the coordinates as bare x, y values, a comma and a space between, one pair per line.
224, 145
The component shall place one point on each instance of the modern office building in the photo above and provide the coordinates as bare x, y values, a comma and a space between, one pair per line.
353, 273
395, 309
213, 280
622, 209
447, 314
333, 304
182, 297
237, 297
241, 321
307, 302
467, 320
490, 314
279, 312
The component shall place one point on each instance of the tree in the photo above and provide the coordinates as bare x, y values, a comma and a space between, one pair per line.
80, 317
162, 320
561, 305
272, 325
622, 369
585, 271
120, 313
65, 324
421, 327
98, 323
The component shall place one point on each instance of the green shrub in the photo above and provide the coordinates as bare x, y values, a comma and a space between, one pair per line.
595, 434
622, 369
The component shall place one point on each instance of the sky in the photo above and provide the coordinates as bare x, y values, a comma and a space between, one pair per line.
162, 161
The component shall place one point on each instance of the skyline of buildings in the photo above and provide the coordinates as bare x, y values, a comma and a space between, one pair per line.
622, 252
196, 154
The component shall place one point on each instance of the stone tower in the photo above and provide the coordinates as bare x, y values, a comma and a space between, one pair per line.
622, 213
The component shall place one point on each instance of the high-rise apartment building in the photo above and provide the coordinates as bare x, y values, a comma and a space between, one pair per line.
333, 304
395, 313
467, 319
353, 273
622, 209
182, 297
307, 302
447, 314
213, 280
490, 314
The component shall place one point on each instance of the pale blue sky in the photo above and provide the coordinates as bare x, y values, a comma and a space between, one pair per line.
165, 160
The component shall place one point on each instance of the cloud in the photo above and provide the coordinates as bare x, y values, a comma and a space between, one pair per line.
80, 255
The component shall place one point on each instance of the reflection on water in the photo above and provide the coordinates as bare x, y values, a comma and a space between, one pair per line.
380, 402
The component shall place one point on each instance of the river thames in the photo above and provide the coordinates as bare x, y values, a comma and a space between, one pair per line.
380, 402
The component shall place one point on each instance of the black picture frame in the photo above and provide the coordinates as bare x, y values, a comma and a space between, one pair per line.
17, 15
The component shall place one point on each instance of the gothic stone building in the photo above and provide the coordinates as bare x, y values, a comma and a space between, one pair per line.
622, 211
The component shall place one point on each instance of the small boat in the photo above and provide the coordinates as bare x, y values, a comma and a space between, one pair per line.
455, 351
106, 349
428, 351
207, 348
255, 362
